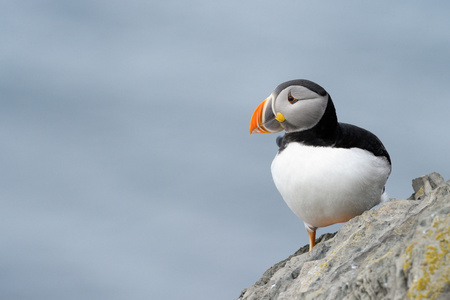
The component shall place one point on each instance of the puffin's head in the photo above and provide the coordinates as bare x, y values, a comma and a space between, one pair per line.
294, 105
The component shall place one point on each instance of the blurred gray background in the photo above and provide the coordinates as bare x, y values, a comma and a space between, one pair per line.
127, 168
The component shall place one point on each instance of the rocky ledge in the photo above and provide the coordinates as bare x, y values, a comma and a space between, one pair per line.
399, 250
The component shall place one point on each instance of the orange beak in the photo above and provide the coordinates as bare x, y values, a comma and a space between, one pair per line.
263, 119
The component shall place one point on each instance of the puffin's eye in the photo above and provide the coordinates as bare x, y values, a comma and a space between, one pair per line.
290, 98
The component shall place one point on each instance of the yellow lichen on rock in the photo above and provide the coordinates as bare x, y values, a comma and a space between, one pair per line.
435, 263
407, 254
419, 193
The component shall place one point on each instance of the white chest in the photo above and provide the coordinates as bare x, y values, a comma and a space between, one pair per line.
324, 185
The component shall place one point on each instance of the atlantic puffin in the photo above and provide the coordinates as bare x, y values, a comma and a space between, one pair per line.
327, 172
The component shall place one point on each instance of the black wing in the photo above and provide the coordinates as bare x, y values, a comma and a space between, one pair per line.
351, 136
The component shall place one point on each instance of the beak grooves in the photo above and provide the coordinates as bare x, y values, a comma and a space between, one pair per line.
263, 120
256, 124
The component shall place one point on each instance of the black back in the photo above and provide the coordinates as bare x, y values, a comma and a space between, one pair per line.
352, 136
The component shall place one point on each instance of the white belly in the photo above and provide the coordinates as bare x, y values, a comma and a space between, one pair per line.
324, 185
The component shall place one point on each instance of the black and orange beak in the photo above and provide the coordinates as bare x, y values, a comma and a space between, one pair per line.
264, 120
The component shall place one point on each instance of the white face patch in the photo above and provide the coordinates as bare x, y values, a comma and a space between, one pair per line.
304, 111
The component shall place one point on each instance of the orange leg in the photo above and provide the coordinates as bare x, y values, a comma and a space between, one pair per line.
312, 238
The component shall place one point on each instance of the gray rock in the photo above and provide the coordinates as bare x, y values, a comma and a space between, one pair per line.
399, 250
425, 184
